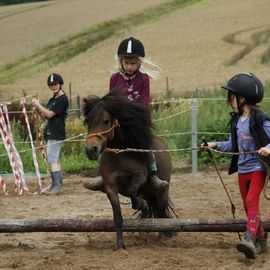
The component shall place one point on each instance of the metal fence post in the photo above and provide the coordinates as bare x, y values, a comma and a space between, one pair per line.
194, 135
78, 106
70, 95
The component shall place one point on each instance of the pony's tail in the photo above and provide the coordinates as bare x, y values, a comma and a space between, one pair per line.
153, 211
170, 209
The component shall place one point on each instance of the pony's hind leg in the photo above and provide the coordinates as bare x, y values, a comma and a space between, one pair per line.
138, 203
165, 212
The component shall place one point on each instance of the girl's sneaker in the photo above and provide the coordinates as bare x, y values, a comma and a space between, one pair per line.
261, 244
247, 246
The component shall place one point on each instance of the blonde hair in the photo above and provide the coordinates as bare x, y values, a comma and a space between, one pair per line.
147, 66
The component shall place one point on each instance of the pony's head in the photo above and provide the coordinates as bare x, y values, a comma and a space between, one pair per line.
115, 122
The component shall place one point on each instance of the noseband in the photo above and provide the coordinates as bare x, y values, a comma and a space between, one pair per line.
100, 134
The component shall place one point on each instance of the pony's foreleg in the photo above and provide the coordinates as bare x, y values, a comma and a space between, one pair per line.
138, 203
138, 179
117, 216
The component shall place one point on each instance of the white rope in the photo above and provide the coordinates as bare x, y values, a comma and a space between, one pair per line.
118, 151
152, 103
180, 100
174, 134
161, 135
170, 116
190, 132
216, 133
70, 138
18, 99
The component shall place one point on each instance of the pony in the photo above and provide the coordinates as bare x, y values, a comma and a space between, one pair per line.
113, 122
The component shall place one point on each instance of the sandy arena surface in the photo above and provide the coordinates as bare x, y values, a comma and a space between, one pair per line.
199, 195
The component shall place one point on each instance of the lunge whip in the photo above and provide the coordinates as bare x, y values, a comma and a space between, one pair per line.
218, 173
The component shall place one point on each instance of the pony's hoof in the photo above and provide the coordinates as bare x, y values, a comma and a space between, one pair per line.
120, 248
166, 235
143, 204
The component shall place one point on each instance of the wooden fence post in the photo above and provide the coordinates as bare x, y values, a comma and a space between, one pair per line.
70, 95
194, 138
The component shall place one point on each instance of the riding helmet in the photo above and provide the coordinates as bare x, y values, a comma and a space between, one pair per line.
131, 47
246, 85
55, 78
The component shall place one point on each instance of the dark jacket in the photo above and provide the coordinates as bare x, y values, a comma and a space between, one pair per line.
257, 132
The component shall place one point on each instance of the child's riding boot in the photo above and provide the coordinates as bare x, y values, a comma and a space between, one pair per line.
261, 244
247, 246
95, 186
157, 182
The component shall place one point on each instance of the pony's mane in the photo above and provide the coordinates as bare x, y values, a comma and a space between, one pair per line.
135, 119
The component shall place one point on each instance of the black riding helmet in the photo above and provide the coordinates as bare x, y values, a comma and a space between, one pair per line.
55, 78
246, 85
131, 47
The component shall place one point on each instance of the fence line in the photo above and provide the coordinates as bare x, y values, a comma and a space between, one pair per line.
160, 135
194, 133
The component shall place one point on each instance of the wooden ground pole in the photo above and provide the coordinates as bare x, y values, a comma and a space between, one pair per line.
130, 225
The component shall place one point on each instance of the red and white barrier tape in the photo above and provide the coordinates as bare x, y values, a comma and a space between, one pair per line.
17, 155
8, 146
32, 144
13, 155
3, 184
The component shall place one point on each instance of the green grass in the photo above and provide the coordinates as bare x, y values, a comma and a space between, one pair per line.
69, 47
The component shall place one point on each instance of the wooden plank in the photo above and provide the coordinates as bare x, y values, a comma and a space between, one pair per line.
129, 225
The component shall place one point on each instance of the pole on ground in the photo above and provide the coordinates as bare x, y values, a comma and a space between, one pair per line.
129, 225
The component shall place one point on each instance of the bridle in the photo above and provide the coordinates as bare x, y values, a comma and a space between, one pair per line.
100, 134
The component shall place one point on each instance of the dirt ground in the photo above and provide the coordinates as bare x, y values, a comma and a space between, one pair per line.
199, 195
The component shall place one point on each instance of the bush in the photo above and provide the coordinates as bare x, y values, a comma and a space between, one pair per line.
73, 158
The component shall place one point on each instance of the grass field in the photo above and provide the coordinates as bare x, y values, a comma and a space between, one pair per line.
200, 46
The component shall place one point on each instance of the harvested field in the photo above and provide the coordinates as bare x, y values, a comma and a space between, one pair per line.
198, 195
26, 27
193, 47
